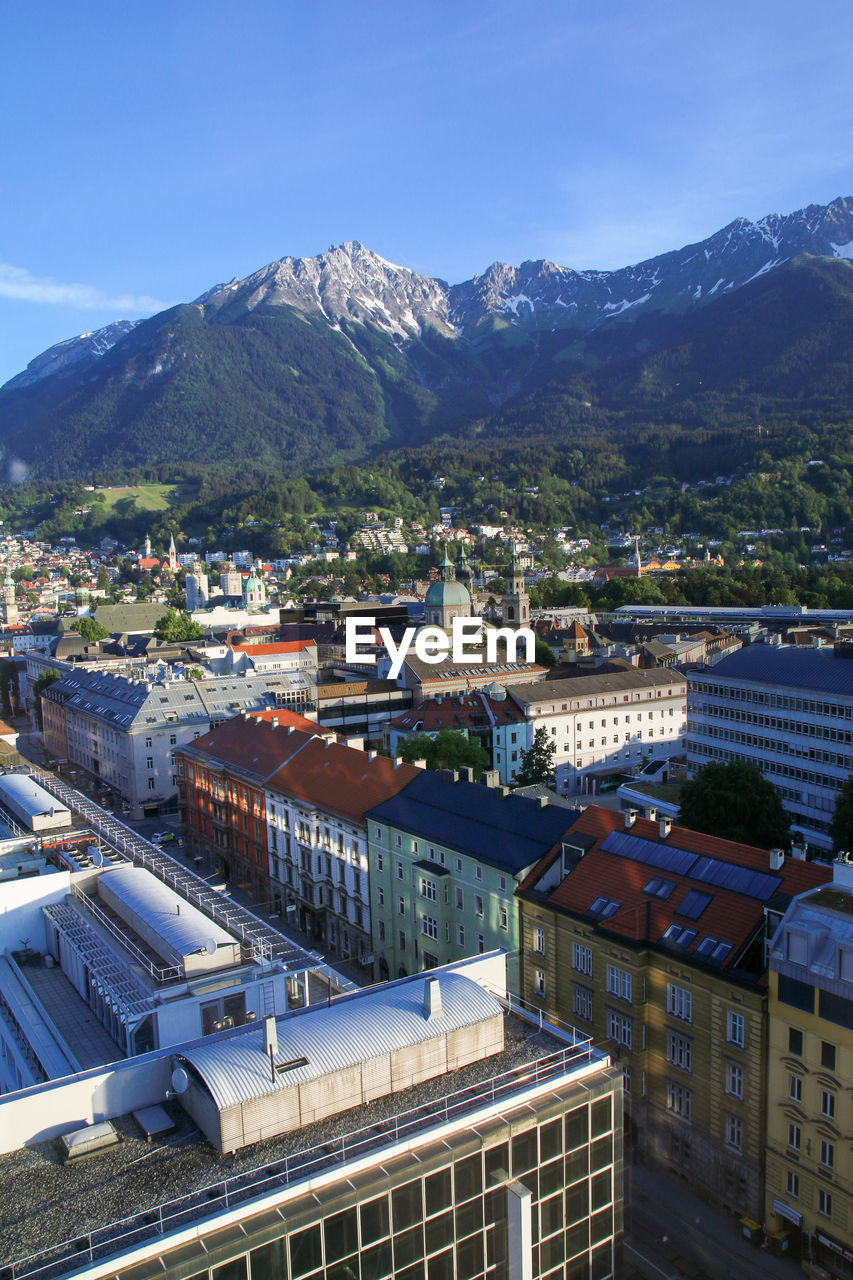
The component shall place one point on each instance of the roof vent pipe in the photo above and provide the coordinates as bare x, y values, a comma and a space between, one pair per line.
432, 998
270, 1036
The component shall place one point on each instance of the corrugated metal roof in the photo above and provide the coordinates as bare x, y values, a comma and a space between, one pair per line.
331, 1038
181, 925
27, 793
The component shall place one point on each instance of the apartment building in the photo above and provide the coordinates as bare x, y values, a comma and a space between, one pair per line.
810, 1065
421, 1129
222, 802
318, 861
123, 733
787, 710
445, 858
653, 937
605, 725
486, 716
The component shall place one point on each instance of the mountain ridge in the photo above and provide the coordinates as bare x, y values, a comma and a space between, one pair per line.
332, 358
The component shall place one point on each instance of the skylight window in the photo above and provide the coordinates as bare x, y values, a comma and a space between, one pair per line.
659, 888
604, 907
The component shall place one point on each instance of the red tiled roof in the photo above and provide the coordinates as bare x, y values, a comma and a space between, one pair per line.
270, 650
457, 711
341, 779
730, 916
254, 744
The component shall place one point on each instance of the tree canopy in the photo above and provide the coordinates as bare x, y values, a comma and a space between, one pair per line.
89, 629
537, 763
449, 749
841, 828
734, 801
175, 628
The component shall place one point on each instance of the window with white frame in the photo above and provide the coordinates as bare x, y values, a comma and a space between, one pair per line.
380, 897
460, 935
501, 884
401, 871
619, 1028
539, 941
398, 841
619, 982
794, 1136
827, 1104
582, 1003
539, 982
734, 1132
734, 1079
827, 1153
824, 1203
679, 1002
679, 1099
478, 906
679, 1050
401, 905
793, 1185
582, 959
735, 1028
460, 899
503, 918
429, 927
795, 1088
428, 889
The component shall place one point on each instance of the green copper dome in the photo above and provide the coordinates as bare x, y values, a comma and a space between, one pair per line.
448, 595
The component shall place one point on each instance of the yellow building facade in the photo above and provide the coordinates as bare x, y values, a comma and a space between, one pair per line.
810, 1072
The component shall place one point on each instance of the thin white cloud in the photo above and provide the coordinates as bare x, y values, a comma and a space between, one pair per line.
19, 283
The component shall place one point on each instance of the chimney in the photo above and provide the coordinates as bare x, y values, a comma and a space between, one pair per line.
777, 857
420, 764
432, 998
798, 852
270, 1036
651, 813
274, 722
543, 802
490, 778
630, 818
665, 827
328, 742
371, 755
466, 773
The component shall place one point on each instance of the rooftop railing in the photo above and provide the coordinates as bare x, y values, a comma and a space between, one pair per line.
170, 1216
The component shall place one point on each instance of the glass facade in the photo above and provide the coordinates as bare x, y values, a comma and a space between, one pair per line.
450, 1223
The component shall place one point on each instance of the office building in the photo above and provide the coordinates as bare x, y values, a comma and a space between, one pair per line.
787, 710
419, 1130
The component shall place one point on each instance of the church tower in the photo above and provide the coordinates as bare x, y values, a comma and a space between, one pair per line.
464, 573
10, 604
148, 546
515, 602
173, 554
446, 599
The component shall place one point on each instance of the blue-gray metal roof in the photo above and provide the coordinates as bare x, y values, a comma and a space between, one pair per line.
235, 1068
508, 832
27, 793
806, 670
177, 922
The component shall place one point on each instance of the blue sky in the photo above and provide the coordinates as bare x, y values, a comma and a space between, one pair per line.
152, 150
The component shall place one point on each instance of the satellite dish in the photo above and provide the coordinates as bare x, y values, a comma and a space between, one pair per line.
96, 855
180, 1080
210, 946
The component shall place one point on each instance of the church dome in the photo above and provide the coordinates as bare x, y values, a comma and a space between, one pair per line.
447, 595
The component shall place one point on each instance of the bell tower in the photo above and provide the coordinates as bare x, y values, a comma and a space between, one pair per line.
515, 602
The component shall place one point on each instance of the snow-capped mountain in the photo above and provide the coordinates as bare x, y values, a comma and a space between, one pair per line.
310, 360
73, 351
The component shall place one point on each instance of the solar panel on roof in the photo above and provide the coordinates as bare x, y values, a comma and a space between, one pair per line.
693, 904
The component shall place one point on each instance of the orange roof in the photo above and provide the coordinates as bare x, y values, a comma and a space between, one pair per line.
252, 744
269, 650
341, 779
729, 916
279, 716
